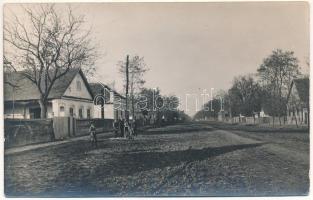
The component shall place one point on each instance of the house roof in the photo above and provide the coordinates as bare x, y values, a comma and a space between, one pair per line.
97, 87
303, 87
25, 90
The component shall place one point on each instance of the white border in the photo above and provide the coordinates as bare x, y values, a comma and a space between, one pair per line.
99, 1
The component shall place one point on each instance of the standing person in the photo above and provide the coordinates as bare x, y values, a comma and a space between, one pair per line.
93, 135
122, 127
131, 129
135, 124
115, 127
126, 129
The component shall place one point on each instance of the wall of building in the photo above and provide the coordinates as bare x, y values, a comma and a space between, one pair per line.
75, 104
300, 117
22, 111
73, 91
108, 111
19, 112
53, 109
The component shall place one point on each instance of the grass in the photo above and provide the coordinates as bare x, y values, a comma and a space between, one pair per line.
257, 128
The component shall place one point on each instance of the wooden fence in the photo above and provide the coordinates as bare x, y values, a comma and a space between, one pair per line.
20, 132
263, 121
102, 125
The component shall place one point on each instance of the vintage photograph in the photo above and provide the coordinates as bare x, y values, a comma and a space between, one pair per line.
156, 99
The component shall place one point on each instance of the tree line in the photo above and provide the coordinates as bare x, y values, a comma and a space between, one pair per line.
267, 89
147, 104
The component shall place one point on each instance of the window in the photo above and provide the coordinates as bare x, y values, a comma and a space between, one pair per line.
78, 85
62, 109
80, 113
71, 112
88, 113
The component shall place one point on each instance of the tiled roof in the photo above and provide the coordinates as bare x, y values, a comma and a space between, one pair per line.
97, 87
26, 90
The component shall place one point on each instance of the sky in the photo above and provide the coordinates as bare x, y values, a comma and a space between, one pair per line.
190, 47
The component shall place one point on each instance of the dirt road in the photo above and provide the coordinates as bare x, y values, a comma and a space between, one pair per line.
186, 159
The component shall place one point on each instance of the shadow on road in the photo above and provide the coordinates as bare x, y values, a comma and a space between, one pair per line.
82, 182
176, 129
131, 163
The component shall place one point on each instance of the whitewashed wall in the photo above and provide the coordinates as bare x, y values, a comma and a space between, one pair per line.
108, 111
73, 91
57, 103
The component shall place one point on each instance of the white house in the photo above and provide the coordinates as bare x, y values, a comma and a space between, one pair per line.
298, 102
71, 95
108, 104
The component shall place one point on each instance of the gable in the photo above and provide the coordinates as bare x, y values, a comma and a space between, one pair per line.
299, 93
302, 86
294, 95
78, 88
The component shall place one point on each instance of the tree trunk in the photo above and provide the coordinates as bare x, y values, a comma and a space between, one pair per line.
296, 121
133, 106
308, 117
285, 119
43, 109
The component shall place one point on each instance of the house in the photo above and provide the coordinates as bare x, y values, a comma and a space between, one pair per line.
71, 95
108, 104
298, 102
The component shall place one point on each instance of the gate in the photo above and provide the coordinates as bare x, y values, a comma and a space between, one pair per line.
64, 127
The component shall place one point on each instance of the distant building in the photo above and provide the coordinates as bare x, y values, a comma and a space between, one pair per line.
108, 104
298, 101
221, 116
69, 96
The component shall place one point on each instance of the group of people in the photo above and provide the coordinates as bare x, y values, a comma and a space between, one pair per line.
124, 128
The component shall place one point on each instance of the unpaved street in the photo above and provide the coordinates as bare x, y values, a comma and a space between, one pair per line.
185, 159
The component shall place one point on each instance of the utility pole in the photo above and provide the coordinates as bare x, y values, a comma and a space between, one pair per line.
102, 103
127, 85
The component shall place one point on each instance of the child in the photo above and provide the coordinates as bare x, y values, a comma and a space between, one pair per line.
93, 136
115, 126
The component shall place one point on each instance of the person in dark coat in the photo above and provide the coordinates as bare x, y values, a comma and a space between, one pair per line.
93, 135
134, 126
121, 124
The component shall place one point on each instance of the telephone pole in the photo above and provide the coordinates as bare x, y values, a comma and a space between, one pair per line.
127, 85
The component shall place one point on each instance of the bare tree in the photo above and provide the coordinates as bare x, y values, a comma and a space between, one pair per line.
133, 77
45, 45
277, 72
